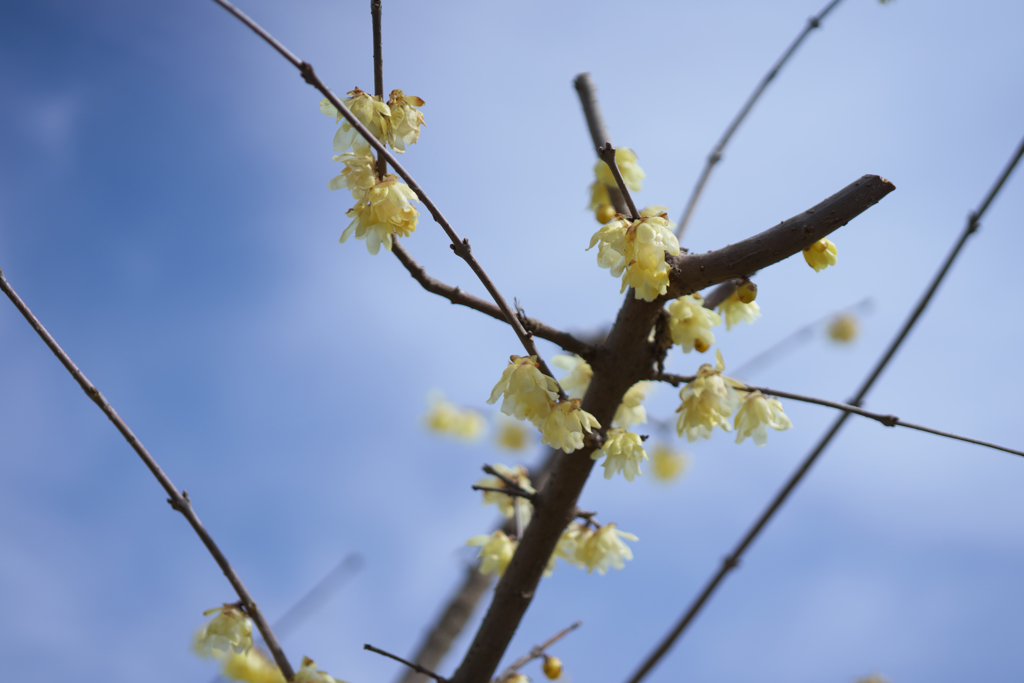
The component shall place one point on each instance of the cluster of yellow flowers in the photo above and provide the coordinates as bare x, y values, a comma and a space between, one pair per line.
505, 502
711, 399
598, 549
632, 175
532, 395
690, 322
636, 251
383, 205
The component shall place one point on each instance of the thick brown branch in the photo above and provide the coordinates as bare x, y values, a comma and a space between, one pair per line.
457, 296
693, 272
178, 501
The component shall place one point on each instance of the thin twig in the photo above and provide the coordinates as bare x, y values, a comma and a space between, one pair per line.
415, 667
607, 154
536, 653
716, 153
733, 559
515, 493
178, 501
887, 420
459, 245
378, 70
598, 131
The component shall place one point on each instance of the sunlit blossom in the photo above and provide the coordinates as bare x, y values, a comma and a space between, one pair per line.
406, 120
604, 548
385, 211
735, 311
623, 452
496, 551
529, 393
636, 251
565, 425
756, 413
821, 254
708, 400
690, 323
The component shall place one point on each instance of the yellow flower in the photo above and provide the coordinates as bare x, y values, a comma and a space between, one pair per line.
310, 674
252, 666
843, 328
636, 251
529, 393
576, 382
667, 463
511, 435
623, 452
632, 174
736, 311
370, 111
506, 503
708, 400
821, 254
229, 631
569, 541
630, 411
405, 121
691, 323
447, 418
359, 175
496, 551
565, 425
604, 548
552, 667
384, 212
758, 412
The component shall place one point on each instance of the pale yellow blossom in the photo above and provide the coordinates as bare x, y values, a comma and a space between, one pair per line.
447, 418
529, 393
511, 435
636, 251
632, 175
755, 414
252, 666
229, 631
735, 311
565, 425
359, 175
604, 548
843, 328
631, 410
370, 111
496, 551
690, 323
667, 463
576, 382
385, 211
821, 254
569, 541
310, 674
623, 452
506, 503
708, 400
406, 120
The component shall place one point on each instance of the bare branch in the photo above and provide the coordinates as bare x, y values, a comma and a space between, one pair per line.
178, 501
536, 652
733, 559
378, 70
607, 154
598, 132
716, 153
887, 420
514, 492
457, 296
459, 245
415, 667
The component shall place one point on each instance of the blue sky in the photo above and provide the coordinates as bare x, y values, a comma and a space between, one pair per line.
164, 211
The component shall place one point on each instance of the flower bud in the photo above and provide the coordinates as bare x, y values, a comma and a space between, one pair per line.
746, 292
552, 667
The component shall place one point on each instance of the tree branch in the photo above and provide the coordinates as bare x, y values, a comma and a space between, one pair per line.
536, 652
378, 69
716, 153
415, 667
457, 296
733, 559
607, 154
459, 245
178, 501
598, 132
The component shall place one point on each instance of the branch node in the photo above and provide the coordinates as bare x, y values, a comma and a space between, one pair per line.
889, 420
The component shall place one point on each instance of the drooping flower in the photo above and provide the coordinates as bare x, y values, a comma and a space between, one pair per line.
496, 551
632, 175
565, 425
604, 548
229, 631
631, 411
843, 328
667, 463
708, 400
506, 503
636, 251
370, 111
406, 120
552, 667
736, 311
570, 539
690, 323
821, 254
310, 674
756, 414
359, 175
385, 211
511, 435
529, 393
623, 452
252, 666
576, 382
447, 418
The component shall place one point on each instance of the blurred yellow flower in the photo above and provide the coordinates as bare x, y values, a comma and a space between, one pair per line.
252, 666
229, 631
843, 328
511, 435
496, 551
631, 410
576, 382
444, 417
667, 463
310, 674
506, 503
604, 548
